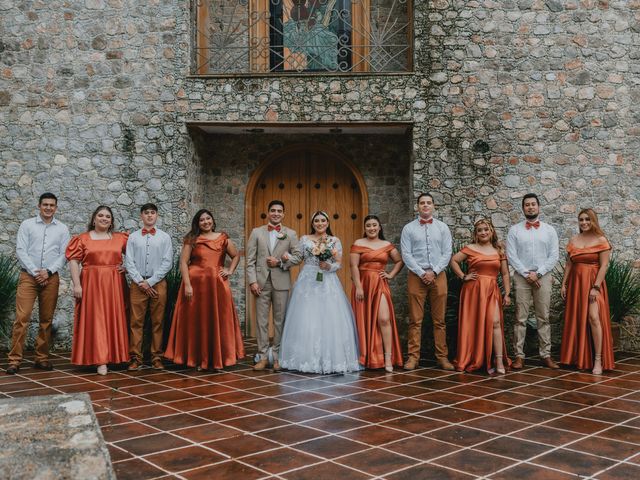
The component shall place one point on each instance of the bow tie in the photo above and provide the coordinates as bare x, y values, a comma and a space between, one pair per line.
424, 222
274, 227
535, 225
151, 231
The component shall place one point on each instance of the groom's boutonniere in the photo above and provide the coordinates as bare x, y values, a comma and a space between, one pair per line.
281, 235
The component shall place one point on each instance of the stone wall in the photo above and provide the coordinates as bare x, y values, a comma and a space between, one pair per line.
508, 96
533, 95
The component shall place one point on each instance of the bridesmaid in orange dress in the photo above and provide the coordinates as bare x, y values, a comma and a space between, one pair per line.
100, 334
205, 332
480, 319
378, 340
587, 324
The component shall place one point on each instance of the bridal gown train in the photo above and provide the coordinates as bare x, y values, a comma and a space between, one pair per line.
319, 330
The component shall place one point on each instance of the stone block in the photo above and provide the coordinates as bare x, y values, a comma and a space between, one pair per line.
52, 436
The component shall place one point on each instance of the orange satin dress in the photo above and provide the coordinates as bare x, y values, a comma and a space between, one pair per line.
205, 331
577, 344
100, 333
479, 300
372, 262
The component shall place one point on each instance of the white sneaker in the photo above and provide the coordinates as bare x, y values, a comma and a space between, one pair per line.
102, 370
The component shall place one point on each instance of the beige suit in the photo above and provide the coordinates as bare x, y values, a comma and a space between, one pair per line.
275, 282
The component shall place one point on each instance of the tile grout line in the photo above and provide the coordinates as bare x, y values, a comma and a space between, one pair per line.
363, 389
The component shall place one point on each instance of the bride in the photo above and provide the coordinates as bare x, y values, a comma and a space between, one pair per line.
319, 331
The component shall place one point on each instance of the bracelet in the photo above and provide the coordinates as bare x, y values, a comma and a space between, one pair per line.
596, 287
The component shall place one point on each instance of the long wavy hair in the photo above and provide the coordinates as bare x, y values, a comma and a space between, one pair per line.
92, 222
495, 241
325, 215
595, 224
195, 225
373, 217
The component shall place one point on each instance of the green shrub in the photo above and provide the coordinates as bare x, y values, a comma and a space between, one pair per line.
9, 272
623, 288
174, 279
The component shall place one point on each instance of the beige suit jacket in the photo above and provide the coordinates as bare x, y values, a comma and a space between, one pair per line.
258, 249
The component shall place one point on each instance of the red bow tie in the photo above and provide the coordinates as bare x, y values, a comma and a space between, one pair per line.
151, 231
535, 225
273, 227
424, 222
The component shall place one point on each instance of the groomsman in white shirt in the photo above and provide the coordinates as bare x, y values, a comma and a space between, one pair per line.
426, 250
149, 257
532, 250
40, 247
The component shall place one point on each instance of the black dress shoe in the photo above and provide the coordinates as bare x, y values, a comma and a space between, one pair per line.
12, 369
46, 365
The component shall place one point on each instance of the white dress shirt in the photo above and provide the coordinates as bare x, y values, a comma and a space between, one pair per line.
273, 238
426, 247
148, 257
41, 246
532, 250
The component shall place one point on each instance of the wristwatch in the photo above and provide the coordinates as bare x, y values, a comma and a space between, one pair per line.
50, 272
539, 275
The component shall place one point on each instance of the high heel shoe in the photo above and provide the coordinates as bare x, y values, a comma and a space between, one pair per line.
102, 370
499, 365
388, 366
597, 365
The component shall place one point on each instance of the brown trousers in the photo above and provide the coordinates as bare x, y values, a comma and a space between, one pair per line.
140, 302
26, 294
437, 295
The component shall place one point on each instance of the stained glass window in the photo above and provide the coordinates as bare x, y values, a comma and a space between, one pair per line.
261, 36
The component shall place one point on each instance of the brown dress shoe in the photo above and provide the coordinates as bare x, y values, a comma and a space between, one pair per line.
276, 366
12, 369
134, 365
46, 365
445, 364
410, 364
261, 364
547, 362
156, 364
518, 363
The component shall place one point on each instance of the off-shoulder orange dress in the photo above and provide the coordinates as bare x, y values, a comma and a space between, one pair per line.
577, 343
372, 262
100, 333
205, 332
479, 300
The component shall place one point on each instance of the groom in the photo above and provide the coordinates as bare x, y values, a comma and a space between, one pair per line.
269, 278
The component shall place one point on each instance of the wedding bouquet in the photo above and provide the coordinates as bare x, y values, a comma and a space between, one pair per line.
324, 250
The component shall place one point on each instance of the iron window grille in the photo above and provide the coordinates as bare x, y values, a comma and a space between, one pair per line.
294, 36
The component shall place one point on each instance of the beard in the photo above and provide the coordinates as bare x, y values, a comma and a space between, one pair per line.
530, 217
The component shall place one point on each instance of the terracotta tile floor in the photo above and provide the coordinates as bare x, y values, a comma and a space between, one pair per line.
424, 424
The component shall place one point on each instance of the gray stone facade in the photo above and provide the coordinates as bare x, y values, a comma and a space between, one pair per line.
507, 96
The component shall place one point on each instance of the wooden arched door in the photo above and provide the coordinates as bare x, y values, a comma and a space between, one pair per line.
308, 178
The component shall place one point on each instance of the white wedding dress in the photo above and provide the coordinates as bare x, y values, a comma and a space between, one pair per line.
319, 333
